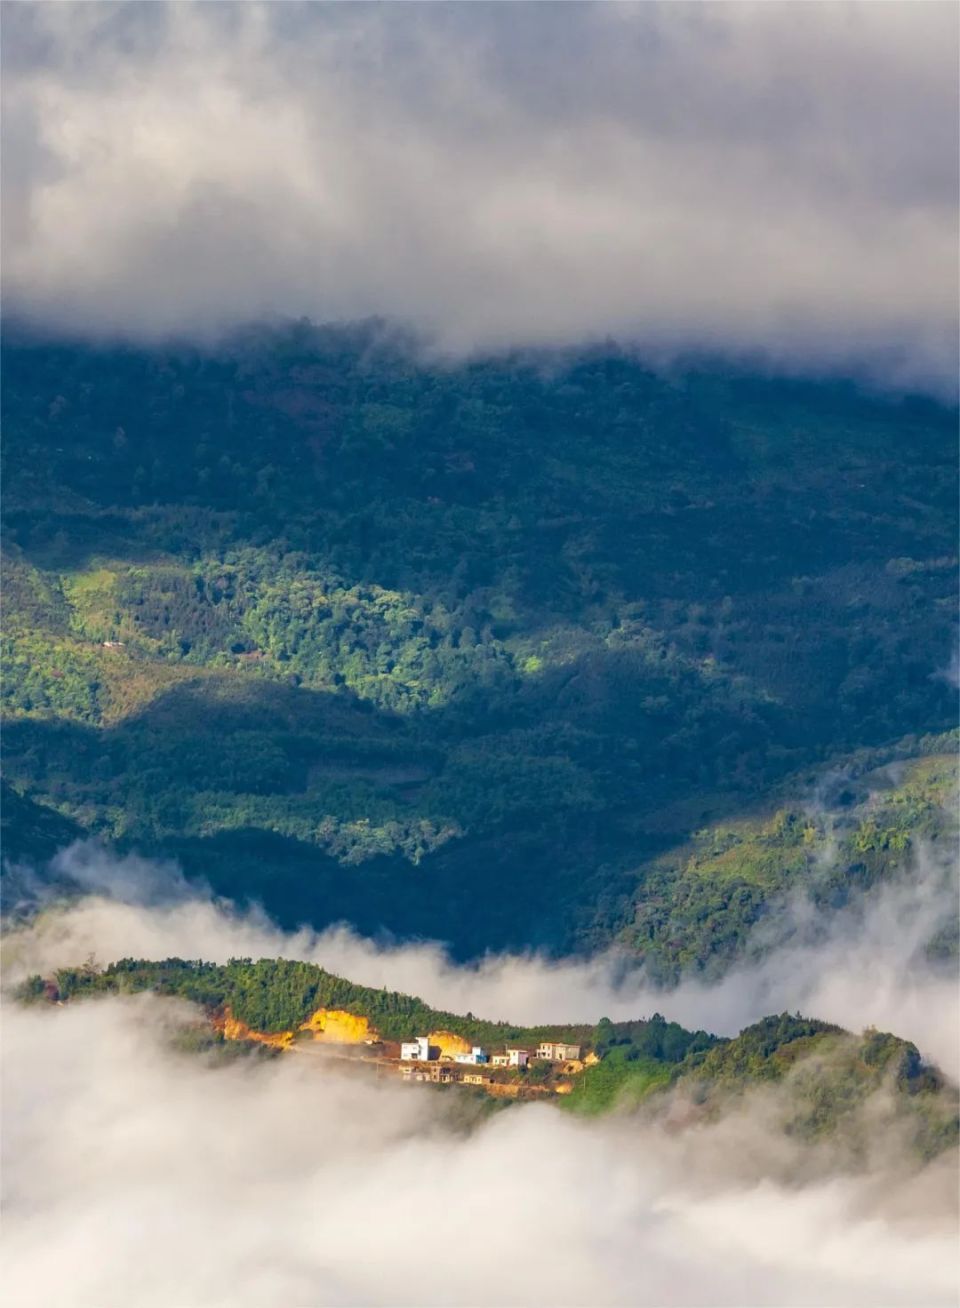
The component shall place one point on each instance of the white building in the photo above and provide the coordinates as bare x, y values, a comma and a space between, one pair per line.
557, 1052
417, 1050
476, 1055
518, 1057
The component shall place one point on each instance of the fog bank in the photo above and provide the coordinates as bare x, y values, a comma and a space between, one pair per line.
770, 179
865, 968
136, 1175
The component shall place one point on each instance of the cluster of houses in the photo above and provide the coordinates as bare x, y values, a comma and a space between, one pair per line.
422, 1061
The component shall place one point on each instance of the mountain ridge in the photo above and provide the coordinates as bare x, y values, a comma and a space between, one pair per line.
275, 1006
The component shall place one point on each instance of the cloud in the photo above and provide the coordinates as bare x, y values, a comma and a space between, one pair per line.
772, 179
133, 1174
861, 967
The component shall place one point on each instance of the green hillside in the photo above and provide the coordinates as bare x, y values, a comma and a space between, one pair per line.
826, 1073
699, 901
273, 995
521, 652
823, 1076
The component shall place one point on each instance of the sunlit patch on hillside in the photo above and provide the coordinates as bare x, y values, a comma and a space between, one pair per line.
338, 1027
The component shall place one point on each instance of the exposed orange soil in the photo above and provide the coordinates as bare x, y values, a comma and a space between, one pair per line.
337, 1027
449, 1044
233, 1029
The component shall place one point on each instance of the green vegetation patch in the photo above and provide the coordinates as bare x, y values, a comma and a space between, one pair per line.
516, 653
825, 1076
820, 1076
274, 995
618, 1081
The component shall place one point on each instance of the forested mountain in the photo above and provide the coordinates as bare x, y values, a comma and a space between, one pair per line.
828, 1072
524, 651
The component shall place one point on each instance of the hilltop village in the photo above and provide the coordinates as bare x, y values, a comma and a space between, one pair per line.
508, 1072
278, 1008
281, 1007
440, 1057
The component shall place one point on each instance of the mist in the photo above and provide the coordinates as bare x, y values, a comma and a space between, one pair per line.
133, 1170
134, 1173
864, 966
771, 181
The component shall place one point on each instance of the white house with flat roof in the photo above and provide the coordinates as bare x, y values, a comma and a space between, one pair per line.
557, 1051
476, 1055
518, 1057
418, 1050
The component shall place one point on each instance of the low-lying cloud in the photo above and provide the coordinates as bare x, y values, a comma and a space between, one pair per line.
133, 1174
761, 179
137, 1174
862, 967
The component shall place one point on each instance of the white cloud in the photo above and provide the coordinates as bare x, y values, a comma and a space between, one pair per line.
776, 178
864, 969
133, 1175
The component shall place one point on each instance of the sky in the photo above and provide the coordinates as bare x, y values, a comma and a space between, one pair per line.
769, 180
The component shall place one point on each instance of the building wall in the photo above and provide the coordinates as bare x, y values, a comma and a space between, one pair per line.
557, 1051
419, 1049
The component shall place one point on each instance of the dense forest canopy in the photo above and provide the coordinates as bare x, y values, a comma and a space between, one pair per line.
524, 651
273, 995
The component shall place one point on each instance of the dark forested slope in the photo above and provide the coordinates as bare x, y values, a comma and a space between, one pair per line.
471, 651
